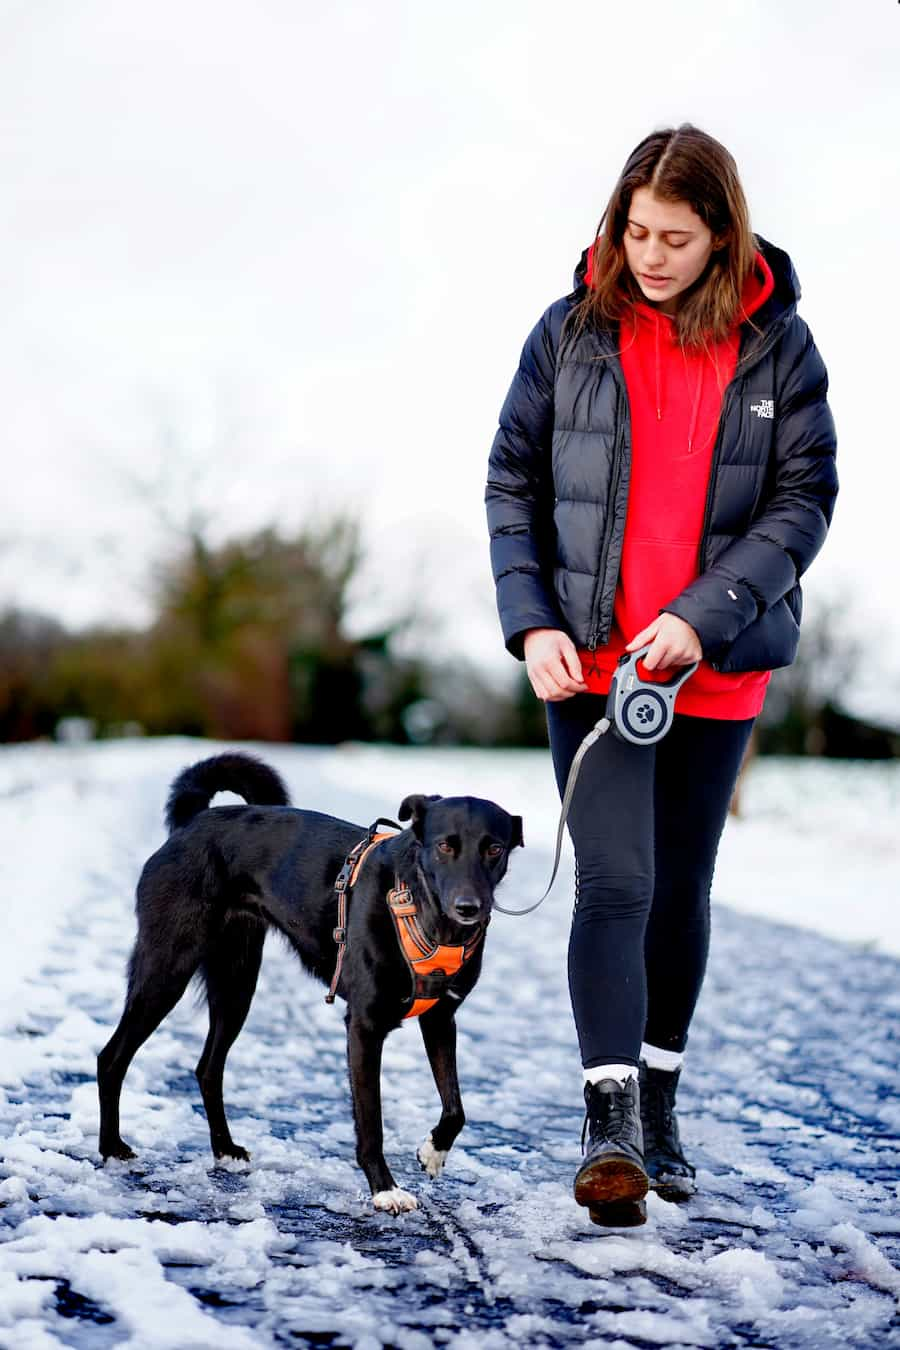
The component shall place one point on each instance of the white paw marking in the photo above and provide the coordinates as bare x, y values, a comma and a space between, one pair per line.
431, 1158
395, 1201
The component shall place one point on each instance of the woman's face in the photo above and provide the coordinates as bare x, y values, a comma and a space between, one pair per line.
665, 240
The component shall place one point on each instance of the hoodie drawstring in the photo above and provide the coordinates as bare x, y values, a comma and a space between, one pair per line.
696, 408
698, 392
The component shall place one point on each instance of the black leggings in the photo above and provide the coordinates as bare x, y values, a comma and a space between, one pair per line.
646, 823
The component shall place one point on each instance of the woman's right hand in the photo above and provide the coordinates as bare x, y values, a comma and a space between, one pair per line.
553, 666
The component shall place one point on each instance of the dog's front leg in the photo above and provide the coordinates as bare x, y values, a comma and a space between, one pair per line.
439, 1034
364, 1046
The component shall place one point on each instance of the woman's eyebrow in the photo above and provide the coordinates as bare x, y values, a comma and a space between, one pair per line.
644, 227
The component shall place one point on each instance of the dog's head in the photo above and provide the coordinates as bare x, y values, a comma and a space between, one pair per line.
464, 848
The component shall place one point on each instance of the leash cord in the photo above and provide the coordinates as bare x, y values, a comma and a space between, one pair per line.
601, 728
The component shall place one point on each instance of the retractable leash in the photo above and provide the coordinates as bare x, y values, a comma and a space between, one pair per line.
637, 711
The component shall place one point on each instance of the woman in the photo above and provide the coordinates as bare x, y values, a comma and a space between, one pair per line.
663, 475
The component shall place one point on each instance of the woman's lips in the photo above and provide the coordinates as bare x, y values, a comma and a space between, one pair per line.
655, 281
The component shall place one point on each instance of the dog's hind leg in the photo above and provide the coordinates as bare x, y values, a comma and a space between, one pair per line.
154, 987
439, 1034
230, 968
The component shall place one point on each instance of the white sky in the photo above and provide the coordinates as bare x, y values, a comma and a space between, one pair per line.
274, 256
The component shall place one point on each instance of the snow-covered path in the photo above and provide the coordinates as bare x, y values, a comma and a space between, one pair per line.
790, 1108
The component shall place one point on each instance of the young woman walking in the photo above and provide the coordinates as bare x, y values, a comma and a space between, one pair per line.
663, 475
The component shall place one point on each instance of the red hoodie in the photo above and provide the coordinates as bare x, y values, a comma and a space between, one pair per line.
675, 398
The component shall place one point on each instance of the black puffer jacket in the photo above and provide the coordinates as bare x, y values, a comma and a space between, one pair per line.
557, 490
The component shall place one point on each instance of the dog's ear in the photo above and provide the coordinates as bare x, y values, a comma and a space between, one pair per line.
413, 808
516, 839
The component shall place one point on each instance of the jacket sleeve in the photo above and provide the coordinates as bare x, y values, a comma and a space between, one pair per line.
519, 494
756, 570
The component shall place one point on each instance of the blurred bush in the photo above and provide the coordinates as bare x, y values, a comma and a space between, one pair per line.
30, 644
249, 642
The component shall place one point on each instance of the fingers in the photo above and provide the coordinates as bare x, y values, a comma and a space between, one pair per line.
672, 643
552, 682
572, 663
644, 636
658, 657
554, 668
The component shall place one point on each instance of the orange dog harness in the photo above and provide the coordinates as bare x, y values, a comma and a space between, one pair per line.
432, 967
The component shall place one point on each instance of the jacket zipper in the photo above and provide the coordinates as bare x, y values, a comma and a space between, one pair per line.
594, 635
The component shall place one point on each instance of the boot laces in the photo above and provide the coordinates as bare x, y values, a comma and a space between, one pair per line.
609, 1112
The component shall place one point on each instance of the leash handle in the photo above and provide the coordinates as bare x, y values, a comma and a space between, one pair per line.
600, 729
383, 820
642, 710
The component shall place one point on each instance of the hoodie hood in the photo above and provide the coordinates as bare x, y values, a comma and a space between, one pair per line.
651, 326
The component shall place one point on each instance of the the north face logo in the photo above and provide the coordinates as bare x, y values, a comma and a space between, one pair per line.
764, 408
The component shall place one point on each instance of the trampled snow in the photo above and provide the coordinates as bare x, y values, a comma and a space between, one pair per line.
789, 1100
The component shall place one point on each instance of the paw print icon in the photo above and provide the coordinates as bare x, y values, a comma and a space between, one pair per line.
645, 713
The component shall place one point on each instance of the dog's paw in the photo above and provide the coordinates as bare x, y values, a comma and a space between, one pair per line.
233, 1153
431, 1159
395, 1201
118, 1150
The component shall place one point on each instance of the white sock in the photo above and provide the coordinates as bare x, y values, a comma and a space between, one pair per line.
656, 1058
620, 1072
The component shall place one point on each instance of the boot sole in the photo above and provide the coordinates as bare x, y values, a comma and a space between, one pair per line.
624, 1214
674, 1188
611, 1180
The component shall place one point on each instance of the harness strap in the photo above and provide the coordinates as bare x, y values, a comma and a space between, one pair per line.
344, 883
432, 966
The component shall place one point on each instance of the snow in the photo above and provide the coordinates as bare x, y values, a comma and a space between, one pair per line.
789, 1099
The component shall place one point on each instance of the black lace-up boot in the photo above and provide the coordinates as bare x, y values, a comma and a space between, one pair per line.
671, 1175
611, 1180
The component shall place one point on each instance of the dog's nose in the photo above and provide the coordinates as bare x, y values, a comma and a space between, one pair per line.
467, 908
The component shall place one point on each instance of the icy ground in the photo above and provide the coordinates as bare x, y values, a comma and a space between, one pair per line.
790, 1101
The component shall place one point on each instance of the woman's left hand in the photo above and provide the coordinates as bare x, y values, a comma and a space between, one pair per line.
672, 643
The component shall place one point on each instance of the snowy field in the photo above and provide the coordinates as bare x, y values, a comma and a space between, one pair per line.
790, 1097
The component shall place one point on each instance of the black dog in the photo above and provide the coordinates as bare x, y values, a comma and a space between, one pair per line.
206, 899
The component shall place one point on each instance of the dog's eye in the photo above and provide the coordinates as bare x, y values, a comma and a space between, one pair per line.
494, 850
444, 847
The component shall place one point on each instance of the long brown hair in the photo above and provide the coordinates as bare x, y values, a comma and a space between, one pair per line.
682, 164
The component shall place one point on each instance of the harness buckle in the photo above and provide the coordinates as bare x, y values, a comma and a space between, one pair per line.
402, 903
339, 934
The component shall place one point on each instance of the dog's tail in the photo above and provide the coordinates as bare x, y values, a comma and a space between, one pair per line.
195, 787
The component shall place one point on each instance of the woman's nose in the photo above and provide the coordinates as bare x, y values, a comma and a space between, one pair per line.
654, 255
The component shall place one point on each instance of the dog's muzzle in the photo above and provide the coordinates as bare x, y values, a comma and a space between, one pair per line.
466, 909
